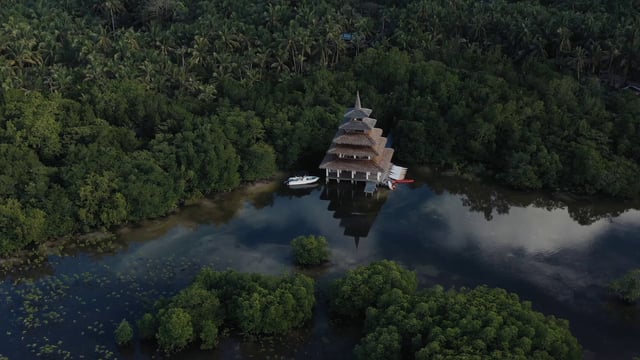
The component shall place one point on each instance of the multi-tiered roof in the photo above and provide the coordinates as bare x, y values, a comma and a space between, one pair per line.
358, 146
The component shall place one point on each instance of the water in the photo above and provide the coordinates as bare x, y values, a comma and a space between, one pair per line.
557, 252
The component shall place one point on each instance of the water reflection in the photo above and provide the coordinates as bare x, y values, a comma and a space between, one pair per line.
532, 229
491, 200
356, 211
535, 236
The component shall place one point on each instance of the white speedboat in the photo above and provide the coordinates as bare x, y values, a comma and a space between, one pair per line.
301, 180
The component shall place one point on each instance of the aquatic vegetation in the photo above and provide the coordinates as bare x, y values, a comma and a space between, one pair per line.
53, 351
40, 313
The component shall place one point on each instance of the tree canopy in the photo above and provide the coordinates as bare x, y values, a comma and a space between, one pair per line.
627, 287
310, 250
480, 323
116, 111
252, 304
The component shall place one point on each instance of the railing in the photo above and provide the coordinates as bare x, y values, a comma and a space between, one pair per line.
346, 175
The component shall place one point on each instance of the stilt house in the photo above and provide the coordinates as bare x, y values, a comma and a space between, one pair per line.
358, 152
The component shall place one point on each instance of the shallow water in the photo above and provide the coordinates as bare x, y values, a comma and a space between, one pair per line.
556, 252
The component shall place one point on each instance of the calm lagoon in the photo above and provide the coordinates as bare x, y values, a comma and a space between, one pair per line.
557, 252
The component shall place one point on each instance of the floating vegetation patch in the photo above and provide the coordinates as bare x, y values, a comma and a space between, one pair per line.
74, 315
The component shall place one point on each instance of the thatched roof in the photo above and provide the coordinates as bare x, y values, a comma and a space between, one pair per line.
382, 163
358, 139
352, 150
375, 133
357, 112
370, 121
356, 125
365, 124
354, 139
384, 159
382, 141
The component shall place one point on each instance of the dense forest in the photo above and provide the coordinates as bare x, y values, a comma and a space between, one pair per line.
113, 111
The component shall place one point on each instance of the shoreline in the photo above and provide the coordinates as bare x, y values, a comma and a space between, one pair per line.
104, 241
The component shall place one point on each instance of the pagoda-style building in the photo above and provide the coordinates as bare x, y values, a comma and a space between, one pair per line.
358, 152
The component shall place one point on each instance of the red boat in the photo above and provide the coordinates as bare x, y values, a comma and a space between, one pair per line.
404, 181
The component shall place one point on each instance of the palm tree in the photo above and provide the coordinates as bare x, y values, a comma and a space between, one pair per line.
103, 42
227, 39
112, 7
565, 39
147, 70
198, 51
280, 64
578, 60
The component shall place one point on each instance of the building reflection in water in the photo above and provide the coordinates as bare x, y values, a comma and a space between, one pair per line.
356, 210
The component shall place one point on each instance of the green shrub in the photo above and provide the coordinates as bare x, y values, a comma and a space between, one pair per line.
310, 250
147, 326
480, 323
250, 303
483, 323
362, 287
627, 288
123, 333
175, 330
209, 335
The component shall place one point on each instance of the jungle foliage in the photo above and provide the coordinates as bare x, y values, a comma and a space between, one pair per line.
480, 323
113, 111
251, 304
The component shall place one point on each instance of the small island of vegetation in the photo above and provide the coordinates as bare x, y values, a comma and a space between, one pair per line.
251, 304
310, 250
401, 321
123, 333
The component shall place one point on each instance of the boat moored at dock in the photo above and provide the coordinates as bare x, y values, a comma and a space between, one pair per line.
302, 180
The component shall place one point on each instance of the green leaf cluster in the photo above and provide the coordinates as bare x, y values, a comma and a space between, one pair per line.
249, 303
123, 333
310, 250
627, 288
478, 323
363, 286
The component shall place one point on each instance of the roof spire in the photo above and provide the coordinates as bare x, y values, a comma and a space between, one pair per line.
357, 105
